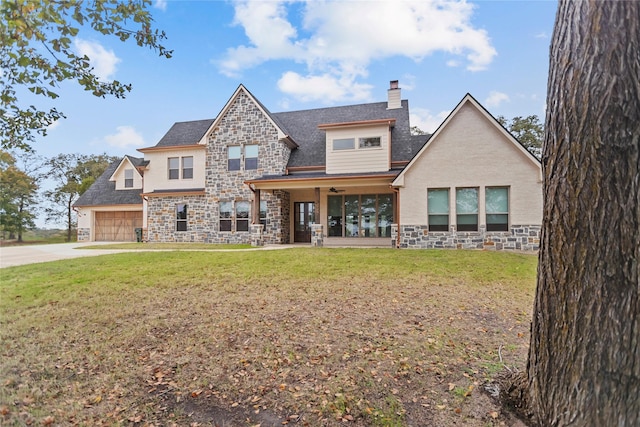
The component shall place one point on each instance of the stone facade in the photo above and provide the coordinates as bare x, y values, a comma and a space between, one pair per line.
520, 237
242, 124
84, 234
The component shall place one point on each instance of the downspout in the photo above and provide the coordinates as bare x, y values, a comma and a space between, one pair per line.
396, 214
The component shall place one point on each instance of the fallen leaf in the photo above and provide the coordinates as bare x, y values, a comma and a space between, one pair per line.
494, 414
451, 386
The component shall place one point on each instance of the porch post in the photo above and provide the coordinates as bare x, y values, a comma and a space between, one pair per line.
255, 212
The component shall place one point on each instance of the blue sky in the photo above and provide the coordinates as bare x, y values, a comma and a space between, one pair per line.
306, 54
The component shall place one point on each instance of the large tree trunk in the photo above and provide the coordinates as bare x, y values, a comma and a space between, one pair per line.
584, 358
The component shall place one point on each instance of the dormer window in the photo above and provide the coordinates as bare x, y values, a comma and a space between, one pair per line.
344, 144
128, 178
371, 142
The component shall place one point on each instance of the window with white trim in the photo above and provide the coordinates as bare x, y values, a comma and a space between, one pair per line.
370, 142
128, 178
187, 167
174, 167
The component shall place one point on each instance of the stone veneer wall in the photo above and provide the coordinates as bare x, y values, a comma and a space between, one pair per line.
520, 237
242, 124
84, 234
161, 219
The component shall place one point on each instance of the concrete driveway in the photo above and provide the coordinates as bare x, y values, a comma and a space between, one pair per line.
31, 254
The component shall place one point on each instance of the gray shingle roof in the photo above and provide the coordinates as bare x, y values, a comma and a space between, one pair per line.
302, 126
185, 133
103, 191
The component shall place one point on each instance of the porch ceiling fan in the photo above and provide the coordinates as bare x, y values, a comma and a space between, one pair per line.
335, 190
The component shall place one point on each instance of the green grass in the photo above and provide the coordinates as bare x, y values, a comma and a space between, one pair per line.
169, 246
330, 335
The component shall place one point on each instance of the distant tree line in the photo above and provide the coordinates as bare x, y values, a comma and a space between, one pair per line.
22, 196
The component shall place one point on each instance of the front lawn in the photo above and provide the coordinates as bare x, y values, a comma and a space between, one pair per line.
310, 337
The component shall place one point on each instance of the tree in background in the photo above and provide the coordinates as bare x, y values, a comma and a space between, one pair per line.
72, 175
36, 54
584, 356
17, 197
528, 130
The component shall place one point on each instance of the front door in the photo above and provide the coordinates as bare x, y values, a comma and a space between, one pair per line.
304, 216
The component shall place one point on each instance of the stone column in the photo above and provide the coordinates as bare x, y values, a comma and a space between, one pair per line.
257, 238
394, 235
317, 236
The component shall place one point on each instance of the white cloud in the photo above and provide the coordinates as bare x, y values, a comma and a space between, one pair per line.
102, 60
326, 88
542, 35
495, 99
334, 47
426, 121
125, 137
160, 4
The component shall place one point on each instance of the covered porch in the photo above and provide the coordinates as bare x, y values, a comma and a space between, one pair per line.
330, 210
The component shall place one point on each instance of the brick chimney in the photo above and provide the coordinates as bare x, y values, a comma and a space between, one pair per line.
393, 96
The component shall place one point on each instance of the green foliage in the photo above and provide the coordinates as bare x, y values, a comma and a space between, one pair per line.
528, 130
72, 174
17, 197
36, 53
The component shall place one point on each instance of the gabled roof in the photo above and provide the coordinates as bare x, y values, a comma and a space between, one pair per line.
134, 162
467, 99
283, 135
300, 129
303, 128
103, 191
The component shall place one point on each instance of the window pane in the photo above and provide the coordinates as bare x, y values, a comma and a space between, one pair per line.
351, 210
438, 222
181, 211
467, 200
263, 213
344, 144
128, 174
334, 218
438, 201
242, 209
385, 215
497, 200
225, 209
234, 154
225, 216
174, 168
250, 157
251, 151
181, 217
187, 167
369, 142
368, 216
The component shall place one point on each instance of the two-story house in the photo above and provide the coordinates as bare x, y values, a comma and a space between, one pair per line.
350, 175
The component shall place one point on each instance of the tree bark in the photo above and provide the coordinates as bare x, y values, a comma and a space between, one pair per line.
584, 357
